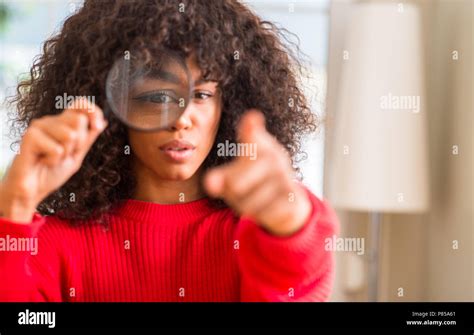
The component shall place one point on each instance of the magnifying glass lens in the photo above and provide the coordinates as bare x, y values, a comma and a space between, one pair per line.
149, 91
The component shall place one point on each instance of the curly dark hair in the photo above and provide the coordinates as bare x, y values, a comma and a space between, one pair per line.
267, 76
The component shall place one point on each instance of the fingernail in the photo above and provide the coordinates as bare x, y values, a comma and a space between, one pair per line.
103, 124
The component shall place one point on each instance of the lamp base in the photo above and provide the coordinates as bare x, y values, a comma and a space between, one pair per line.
375, 229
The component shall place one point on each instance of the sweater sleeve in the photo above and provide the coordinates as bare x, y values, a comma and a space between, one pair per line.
29, 263
294, 268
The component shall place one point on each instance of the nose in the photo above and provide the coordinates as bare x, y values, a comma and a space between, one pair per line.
184, 120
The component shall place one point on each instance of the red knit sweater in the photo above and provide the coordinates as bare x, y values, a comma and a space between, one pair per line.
154, 252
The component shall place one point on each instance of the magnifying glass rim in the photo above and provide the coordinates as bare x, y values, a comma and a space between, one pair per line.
174, 55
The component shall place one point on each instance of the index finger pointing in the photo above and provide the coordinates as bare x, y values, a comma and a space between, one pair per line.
251, 124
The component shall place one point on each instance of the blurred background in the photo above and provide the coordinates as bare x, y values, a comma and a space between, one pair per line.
391, 82
392, 162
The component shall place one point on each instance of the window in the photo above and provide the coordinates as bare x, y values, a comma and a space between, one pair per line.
24, 26
309, 21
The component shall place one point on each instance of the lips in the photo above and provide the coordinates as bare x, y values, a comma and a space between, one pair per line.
178, 151
177, 145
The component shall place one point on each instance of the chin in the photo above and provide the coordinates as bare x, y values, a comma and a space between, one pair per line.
177, 172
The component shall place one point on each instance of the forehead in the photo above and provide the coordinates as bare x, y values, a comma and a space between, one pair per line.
195, 71
193, 66
176, 70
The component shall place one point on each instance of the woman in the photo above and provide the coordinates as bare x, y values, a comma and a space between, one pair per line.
124, 215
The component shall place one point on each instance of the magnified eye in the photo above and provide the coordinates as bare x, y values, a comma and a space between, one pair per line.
161, 97
151, 89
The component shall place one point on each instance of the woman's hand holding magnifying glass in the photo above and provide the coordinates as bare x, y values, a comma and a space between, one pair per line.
52, 150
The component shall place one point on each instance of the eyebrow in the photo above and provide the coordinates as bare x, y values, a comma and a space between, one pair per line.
165, 76
202, 81
172, 78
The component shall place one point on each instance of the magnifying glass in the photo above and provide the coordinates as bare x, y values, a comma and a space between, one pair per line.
149, 89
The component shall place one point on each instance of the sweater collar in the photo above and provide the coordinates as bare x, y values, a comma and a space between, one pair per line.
167, 213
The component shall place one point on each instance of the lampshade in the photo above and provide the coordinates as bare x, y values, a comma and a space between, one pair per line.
379, 154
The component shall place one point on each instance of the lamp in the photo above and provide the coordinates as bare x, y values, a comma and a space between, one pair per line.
379, 155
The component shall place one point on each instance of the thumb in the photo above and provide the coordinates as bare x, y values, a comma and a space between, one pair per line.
251, 124
214, 182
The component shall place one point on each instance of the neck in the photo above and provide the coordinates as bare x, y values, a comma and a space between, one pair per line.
152, 188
